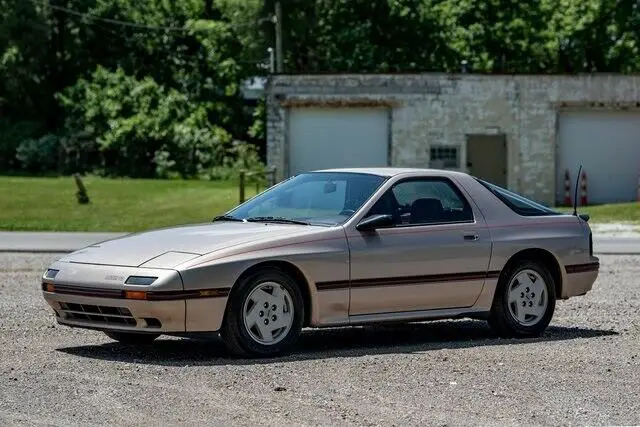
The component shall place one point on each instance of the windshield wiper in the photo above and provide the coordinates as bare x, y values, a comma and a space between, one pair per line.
276, 219
227, 218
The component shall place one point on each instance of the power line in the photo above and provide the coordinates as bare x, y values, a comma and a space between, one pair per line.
116, 21
136, 25
260, 63
149, 27
141, 26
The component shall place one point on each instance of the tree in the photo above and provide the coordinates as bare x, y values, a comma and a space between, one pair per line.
188, 51
189, 59
140, 128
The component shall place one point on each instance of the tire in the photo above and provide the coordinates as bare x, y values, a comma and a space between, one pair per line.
131, 337
532, 302
245, 329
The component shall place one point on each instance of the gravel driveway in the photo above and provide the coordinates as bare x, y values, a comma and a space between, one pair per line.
585, 370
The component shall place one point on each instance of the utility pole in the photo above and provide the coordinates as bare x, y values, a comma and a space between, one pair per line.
279, 51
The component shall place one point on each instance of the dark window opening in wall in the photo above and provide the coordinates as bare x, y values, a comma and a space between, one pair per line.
444, 157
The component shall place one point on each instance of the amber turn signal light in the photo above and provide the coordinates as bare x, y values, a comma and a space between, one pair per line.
135, 295
50, 288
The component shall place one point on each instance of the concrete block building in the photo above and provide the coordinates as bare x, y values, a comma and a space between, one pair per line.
518, 131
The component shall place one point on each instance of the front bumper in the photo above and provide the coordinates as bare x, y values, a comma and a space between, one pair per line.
117, 314
97, 297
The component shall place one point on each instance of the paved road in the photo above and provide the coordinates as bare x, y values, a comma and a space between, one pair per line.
67, 242
616, 245
585, 370
50, 242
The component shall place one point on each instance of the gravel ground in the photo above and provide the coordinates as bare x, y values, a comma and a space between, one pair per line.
585, 370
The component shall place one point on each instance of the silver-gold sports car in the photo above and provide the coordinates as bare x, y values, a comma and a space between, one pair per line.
333, 248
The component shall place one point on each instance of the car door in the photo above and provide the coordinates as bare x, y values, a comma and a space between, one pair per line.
434, 256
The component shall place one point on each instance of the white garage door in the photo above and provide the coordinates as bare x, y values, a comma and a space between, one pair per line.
323, 138
608, 146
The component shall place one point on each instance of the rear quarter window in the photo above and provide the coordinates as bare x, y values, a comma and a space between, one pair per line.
518, 203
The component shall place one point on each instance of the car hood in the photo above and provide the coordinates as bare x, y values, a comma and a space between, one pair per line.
169, 247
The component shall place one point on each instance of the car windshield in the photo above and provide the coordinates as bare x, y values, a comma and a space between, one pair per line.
519, 204
316, 198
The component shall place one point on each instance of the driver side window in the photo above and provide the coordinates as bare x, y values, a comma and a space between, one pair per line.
424, 201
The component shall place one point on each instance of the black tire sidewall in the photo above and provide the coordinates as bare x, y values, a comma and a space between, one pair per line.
505, 319
234, 323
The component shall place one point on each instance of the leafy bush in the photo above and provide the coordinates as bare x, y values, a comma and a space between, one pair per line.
79, 153
244, 156
39, 155
240, 157
11, 135
258, 127
196, 145
141, 128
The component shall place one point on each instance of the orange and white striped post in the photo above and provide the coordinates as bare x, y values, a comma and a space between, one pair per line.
583, 189
567, 188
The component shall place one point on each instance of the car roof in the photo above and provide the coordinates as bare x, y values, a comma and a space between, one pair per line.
391, 171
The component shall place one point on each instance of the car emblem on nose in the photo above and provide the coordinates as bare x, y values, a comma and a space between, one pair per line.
112, 277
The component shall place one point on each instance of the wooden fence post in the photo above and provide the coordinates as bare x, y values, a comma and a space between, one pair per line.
242, 175
81, 194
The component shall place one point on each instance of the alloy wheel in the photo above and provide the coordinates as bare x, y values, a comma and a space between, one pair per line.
268, 313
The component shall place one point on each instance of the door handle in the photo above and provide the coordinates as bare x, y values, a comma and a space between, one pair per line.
471, 236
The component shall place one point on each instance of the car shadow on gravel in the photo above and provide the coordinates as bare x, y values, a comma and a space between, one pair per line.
329, 343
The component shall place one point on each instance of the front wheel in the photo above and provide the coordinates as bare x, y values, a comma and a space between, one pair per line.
264, 314
131, 337
524, 302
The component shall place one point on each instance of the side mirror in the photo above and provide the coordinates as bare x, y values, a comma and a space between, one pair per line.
375, 221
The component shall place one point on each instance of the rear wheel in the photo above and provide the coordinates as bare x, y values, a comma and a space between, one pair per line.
131, 337
524, 302
264, 314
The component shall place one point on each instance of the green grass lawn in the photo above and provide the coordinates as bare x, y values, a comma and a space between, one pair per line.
621, 212
49, 204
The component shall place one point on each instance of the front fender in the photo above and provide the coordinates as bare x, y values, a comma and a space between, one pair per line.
323, 257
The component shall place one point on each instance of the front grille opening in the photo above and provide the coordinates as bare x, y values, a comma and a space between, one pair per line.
98, 314
153, 322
